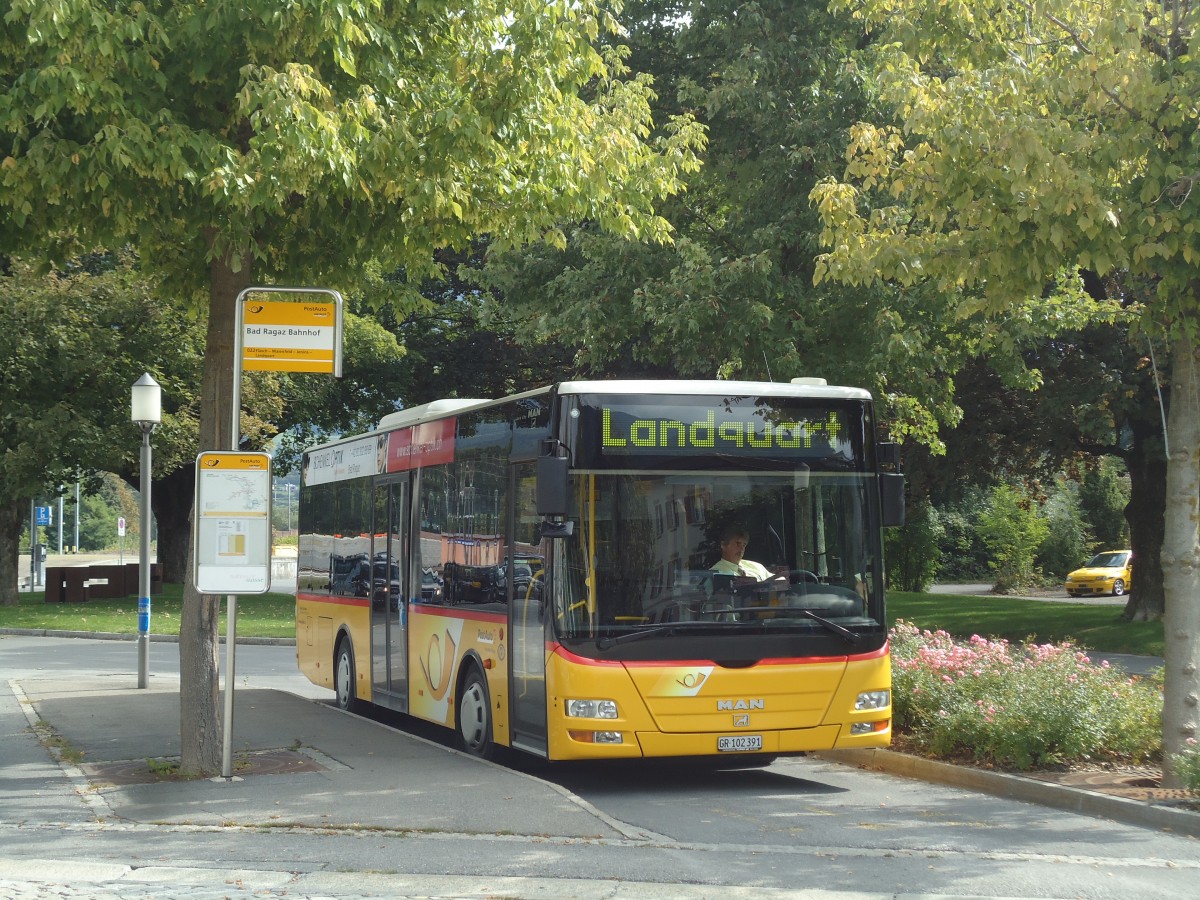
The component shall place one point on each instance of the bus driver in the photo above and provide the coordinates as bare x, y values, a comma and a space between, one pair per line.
733, 541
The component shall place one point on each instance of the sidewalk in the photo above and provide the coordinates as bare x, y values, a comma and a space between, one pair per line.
321, 759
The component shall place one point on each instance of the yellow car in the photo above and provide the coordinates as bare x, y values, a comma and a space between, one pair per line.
1110, 572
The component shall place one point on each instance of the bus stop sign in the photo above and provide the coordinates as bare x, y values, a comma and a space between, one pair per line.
232, 516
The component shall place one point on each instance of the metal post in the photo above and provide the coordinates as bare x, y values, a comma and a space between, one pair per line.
144, 564
77, 514
230, 653
146, 408
33, 566
235, 434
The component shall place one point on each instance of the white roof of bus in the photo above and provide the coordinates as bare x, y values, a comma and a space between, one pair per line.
816, 388
800, 387
436, 410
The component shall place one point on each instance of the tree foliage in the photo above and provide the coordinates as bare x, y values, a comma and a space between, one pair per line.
733, 295
912, 551
1012, 528
1068, 539
74, 342
309, 141
1103, 494
1031, 142
250, 132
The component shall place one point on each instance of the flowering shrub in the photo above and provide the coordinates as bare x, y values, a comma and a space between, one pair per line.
1017, 707
1187, 765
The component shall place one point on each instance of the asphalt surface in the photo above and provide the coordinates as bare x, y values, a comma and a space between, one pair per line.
101, 731
346, 775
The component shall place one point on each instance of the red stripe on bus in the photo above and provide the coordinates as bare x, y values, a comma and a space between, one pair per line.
554, 647
334, 600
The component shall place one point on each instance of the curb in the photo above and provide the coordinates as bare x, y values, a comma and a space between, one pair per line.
1018, 787
154, 638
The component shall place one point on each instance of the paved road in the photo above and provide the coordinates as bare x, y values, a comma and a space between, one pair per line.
985, 590
390, 814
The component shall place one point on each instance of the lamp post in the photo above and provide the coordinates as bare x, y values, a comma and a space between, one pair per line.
146, 404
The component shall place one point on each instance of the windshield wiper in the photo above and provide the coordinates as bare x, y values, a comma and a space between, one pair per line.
850, 636
604, 643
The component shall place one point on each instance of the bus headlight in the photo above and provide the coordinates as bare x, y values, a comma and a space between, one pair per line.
873, 700
591, 709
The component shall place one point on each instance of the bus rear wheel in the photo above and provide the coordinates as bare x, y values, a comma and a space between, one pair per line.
343, 677
475, 716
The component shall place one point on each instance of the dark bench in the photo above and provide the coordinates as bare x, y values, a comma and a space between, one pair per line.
75, 584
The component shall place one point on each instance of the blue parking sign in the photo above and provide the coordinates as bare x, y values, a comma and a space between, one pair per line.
43, 515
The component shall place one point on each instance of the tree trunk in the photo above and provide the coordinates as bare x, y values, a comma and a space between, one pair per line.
1181, 557
1147, 464
199, 709
172, 498
13, 515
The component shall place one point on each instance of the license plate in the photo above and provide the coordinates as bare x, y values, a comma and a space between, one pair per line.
739, 743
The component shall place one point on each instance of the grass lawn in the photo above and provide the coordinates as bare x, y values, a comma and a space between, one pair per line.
274, 615
260, 615
1096, 628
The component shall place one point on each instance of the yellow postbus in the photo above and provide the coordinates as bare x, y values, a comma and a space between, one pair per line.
609, 569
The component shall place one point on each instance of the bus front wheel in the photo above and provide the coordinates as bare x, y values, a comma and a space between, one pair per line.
343, 677
475, 716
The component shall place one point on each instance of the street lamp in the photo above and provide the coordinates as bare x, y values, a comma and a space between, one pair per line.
146, 404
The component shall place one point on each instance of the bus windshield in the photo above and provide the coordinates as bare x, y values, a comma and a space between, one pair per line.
655, 548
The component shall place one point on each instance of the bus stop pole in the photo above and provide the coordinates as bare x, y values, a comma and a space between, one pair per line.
230, 651
231, 599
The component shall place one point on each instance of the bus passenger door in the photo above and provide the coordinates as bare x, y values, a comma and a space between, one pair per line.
389, 597
529, 566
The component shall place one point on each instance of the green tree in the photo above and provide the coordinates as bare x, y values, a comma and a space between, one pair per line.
1012, 528
912, 551
1032, 142
98, 519
733, 297
312, 142
963, 556
1096, 406
452, 344
1103, 495
1067, 540
73, 344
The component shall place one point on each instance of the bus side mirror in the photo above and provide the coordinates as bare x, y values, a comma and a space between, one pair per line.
552, 485
891, 499
891, 485
553, 496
